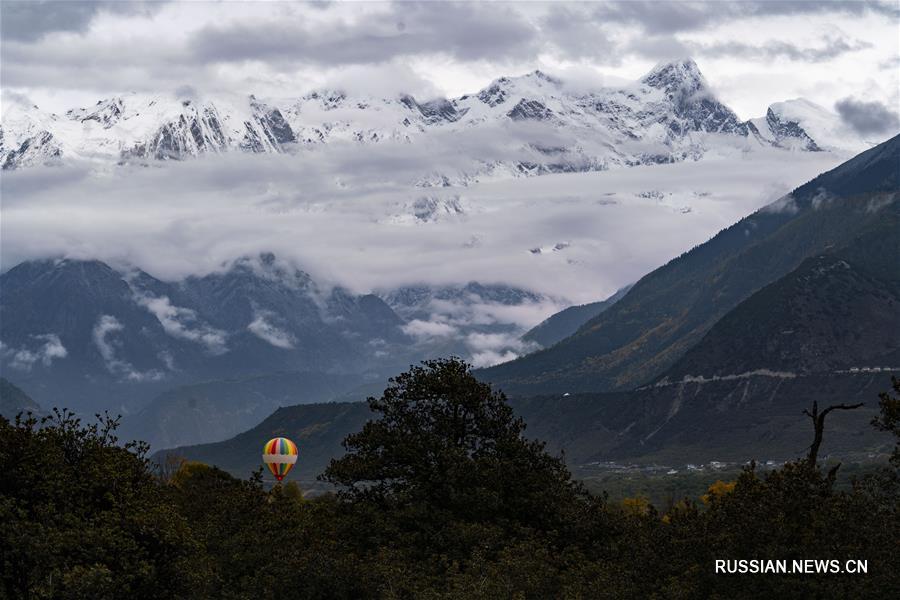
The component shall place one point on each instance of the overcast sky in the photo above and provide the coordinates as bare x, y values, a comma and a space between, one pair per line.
841, 54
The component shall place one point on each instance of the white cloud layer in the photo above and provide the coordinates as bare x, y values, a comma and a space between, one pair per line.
609, 228
182, 323
104, 330
262, 327
49, 348
427, 330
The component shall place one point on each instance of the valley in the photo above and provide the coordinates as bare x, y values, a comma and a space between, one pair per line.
607, 351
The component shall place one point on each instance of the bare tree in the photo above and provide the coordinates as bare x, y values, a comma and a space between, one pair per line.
818, 419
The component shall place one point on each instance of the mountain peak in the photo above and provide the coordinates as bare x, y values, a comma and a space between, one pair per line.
268, 266
682, 74
538, 74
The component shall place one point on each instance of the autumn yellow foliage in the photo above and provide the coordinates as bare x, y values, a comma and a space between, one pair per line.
638, 505
717, 490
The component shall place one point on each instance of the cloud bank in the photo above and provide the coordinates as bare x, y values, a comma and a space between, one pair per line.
86, 50
334, 214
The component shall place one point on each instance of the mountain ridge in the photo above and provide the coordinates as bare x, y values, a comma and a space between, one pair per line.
88, 329
660, 118
735, 396
669, 310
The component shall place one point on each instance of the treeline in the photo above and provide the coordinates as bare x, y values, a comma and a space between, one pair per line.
441, 497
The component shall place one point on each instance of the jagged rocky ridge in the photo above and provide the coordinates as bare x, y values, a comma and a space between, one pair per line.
543, 125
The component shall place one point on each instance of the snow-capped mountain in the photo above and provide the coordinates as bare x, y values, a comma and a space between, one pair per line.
141, 127
535, 124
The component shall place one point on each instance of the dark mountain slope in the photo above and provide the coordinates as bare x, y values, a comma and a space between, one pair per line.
13, 400
669, 310
829, 314
827, 332
317, 429
216, 410
757, 417
89, 345
728, 420
873, 171
567, 321
89, 337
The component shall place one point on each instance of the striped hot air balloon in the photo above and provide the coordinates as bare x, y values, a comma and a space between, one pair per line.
280, 454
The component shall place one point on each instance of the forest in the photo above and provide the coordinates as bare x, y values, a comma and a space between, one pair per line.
443, 495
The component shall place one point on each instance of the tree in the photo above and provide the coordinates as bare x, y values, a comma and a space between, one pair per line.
889, 417
82, 517
818, 420
447, 447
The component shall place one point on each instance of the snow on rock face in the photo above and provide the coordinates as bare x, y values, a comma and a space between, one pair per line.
25, 138
695, 108
789, 133
41, 148
671, 114
141, 127
530, 109
434, 111
676, 78
106, 112
802, 125
805, 124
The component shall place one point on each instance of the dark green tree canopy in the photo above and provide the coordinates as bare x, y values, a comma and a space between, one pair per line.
447, 442
889, 417
442, 497
83, 517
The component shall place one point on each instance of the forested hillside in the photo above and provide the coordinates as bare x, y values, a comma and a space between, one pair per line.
442, 495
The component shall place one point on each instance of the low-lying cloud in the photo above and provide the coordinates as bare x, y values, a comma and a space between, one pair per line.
182, 323
331, 213
489, 349
47, 349
104, 331
262, 327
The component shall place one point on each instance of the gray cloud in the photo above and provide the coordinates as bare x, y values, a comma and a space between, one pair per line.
868, 118
282, 48
466, 31
186, 91
659, 47
32, 19
576, 34
673, 17
831, 48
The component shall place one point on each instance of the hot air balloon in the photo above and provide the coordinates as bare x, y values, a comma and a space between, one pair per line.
280, 454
